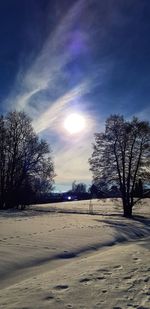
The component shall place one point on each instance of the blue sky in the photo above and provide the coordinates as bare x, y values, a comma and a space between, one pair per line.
86, 56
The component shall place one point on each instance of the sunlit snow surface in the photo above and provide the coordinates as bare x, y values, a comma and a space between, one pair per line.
60, 256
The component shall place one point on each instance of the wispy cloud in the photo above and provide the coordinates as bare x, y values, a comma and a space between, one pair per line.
46, 92
47, 89
49, 118
47, 86
47, 70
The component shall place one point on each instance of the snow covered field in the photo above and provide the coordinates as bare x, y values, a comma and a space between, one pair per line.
60, 256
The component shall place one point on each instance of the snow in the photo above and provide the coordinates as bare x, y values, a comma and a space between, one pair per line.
60, 256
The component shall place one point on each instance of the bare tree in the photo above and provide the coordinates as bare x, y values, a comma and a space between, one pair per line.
121, 155
2, 160
24, 159
78, 188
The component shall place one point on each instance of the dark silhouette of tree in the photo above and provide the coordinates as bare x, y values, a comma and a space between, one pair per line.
114, 191
2, 160
78, 188
121, 155
98, 190
73, 186
139, 192
24, 161
93, 190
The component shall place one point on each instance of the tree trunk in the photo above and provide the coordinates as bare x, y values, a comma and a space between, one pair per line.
127, 208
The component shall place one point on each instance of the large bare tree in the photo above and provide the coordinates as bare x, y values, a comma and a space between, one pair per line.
25, 160
121, 155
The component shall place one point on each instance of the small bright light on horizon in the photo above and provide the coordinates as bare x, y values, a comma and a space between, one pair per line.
74, 123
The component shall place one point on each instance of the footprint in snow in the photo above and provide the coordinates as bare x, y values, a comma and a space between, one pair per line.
49, 297
100, 278
136, 259
105, 270
61, 287
117, 267
85, 280
128, 277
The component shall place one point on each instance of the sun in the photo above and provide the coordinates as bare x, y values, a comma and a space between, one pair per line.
74, 123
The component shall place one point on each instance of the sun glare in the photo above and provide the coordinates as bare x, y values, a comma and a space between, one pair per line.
74, 123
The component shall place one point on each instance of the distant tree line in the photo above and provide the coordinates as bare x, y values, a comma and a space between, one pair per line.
79, 190
26, 166
102, 190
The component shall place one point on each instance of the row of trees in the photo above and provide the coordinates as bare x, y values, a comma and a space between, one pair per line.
120, 161
79, 190
103, 190
121, 156
26, 166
